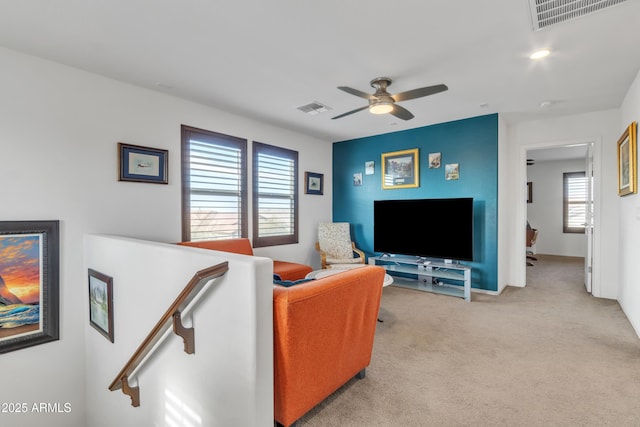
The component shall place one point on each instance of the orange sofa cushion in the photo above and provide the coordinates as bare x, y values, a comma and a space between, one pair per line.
323, 336
290, 270
286, 270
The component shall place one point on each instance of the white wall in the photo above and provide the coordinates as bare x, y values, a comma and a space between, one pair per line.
229, 378
603, 129
546, 211
505, 242
629, 224
59, 129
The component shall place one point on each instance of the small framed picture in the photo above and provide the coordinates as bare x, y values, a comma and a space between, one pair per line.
627, 168
357, 178
369, 167
142, 164
313, 183
434, 160
452, 172
101, 303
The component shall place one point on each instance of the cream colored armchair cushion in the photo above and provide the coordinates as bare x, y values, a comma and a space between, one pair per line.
334, 239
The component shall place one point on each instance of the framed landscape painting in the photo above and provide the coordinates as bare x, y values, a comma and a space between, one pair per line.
400, 169
29, 276
101, 303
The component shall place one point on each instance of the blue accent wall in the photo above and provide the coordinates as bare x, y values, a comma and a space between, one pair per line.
472, 143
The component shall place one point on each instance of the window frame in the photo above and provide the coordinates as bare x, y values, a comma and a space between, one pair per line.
261, 148
215, 138
566, 176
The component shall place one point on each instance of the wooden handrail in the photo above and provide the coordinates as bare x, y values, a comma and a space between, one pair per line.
172, 315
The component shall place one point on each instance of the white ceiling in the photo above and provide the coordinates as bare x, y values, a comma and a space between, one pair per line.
263, 59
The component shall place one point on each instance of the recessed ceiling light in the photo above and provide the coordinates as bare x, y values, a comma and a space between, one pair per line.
539, 54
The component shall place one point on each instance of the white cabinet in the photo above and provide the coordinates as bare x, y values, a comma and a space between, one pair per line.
443, 278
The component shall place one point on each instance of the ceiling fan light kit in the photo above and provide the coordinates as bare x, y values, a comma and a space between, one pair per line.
381, 107
382, 102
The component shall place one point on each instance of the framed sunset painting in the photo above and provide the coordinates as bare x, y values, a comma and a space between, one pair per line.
29, 282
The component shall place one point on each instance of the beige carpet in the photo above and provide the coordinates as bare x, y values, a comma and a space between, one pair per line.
545, 355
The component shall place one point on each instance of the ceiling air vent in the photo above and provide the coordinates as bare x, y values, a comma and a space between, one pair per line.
549, 12
314, 108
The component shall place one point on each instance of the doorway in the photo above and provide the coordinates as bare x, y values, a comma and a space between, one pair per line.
556, 204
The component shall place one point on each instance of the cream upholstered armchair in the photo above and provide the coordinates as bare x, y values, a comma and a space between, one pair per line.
335, 245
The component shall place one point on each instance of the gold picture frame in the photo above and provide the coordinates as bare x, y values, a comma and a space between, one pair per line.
627, 166
400, 169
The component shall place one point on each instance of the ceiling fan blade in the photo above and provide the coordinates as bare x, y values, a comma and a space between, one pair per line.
350, 112
355, 92
418, 93
401, 112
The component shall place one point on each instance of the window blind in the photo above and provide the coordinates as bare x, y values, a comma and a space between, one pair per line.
275, 195
216, 205
575, 199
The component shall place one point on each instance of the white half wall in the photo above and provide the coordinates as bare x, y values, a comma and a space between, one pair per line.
628, 223
59, 129
229, 378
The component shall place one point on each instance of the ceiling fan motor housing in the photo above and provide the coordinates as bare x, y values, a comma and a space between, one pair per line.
381, 97
381, 83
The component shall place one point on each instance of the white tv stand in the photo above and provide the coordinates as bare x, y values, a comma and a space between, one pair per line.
430, 276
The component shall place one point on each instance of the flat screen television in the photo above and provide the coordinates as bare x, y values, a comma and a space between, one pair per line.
430, 228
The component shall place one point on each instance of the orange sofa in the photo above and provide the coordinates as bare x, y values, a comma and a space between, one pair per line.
286, 270
323, 337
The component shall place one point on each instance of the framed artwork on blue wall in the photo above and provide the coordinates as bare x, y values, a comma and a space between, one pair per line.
400, 169
142, 164
452, 172
369, 167
435, 160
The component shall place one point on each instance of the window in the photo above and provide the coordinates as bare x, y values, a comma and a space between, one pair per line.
574, 202
275, 195
214, 185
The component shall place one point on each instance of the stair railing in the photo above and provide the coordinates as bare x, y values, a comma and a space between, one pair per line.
171, 316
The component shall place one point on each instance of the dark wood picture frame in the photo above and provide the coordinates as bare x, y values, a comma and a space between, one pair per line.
142, 164
29, 283
529, 192
101, 303
313, 183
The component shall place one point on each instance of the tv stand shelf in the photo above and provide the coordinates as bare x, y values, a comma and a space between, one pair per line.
429, 276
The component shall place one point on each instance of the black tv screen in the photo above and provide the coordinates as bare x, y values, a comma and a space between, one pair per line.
430, 228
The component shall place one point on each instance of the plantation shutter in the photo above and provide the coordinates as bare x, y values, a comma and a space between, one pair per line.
214, 173
275, 195
575, 199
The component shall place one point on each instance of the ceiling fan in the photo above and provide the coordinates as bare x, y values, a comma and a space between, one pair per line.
382, 102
